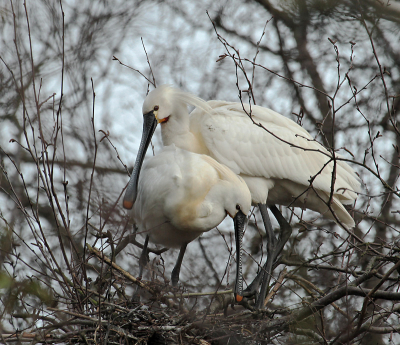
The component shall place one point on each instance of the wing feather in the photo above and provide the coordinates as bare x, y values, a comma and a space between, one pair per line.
284, 151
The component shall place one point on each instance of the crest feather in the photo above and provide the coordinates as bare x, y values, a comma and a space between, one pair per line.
186, 97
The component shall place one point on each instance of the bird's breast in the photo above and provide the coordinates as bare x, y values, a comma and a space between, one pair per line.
169, 236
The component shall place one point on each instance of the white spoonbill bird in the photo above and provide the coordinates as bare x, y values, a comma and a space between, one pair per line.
280, 163
182, 194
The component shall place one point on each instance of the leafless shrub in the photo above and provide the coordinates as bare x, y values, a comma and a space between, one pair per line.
60, 210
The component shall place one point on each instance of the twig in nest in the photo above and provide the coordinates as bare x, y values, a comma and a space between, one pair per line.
127, 275
277, 285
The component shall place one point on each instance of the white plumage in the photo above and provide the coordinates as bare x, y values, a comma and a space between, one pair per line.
277, 164
182, 194
280, 163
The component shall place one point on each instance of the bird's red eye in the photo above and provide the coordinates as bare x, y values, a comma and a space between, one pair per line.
156, 107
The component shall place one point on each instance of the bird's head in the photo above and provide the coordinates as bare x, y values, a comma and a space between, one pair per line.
159, 103
237, 199
157, 108
232, 191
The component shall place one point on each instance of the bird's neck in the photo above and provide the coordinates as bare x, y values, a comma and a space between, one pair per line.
186, 141
177, 131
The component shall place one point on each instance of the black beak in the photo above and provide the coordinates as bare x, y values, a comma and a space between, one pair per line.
149, 126
239, 221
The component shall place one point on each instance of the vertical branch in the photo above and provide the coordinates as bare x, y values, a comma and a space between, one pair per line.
59, 116
148, 62
381, 72
90, 185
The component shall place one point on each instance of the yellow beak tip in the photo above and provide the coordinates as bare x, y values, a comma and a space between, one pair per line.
239, 298
128, 204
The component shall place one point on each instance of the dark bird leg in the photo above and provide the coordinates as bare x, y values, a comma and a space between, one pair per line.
144, 257
265, 272
177, 268
284, 234
274, 248
143, 260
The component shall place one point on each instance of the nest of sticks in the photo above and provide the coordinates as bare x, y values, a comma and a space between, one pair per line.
155, 313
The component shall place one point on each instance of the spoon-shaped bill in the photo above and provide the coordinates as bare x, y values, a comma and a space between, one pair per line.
149, 126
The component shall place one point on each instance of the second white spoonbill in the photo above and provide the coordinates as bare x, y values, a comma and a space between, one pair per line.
181, 194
